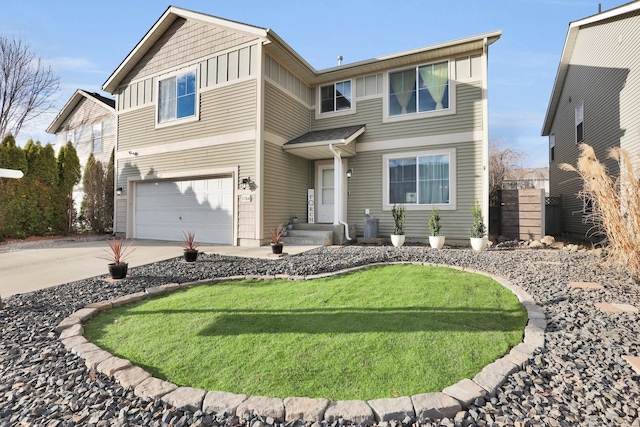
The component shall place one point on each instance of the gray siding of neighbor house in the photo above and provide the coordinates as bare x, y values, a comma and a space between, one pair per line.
285, 194
605, 74
80, 122
225, 110
183, 42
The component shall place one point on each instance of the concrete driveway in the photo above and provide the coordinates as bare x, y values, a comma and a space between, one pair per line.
27, 270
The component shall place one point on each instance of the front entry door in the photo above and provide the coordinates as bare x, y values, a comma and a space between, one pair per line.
325, 192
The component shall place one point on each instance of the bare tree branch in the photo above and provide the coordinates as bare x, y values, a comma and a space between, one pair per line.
501, 160
26, 85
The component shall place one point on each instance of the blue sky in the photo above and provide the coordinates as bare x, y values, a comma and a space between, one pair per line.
85, 41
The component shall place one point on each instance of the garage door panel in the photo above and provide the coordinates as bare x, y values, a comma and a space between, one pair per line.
166, 209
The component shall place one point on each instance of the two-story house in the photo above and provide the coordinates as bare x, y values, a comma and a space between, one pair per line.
594, 101
88, 121
225, 130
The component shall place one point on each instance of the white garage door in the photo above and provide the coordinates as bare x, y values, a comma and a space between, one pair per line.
166, 209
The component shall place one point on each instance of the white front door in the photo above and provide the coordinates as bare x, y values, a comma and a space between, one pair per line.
325, 182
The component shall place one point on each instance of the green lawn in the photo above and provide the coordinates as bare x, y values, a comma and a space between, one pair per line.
381, 332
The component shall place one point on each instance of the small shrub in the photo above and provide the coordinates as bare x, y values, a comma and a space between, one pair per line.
477, 229
434, 222
398, 218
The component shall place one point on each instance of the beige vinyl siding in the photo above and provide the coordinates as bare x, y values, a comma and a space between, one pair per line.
183, 42
366, 187
283, 115
282, 77
285, 194
468, 118
222, 111
604, 72
213, 157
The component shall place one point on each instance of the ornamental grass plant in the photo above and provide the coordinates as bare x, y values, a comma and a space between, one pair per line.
615, 205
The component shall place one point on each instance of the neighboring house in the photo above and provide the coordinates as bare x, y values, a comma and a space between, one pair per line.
224, 129
525, 178
594, 101
88, 121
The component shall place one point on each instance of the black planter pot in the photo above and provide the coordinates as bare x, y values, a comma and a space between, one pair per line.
190, 255
118, 271
276, 248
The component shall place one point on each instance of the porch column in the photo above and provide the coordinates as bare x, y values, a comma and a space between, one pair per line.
337, 185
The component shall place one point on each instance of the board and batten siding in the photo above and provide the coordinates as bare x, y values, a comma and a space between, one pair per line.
604, 73
468, 118
221, 68
283, 115
366, 192
285, 192
184, 41
222, 111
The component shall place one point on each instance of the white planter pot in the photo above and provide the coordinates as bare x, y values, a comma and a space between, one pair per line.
479, 243
397, 240
436, 242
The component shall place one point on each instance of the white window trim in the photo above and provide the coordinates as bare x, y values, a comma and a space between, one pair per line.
328, 114
552, 146
156, 97
93, 146
575, 126
451, 206
386, 118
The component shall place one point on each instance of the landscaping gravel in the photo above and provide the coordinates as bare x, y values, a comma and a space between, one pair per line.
579, 378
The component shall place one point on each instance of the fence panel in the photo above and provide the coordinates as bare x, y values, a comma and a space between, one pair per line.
523, 214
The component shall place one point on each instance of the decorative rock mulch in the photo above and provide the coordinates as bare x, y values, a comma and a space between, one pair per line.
584, 374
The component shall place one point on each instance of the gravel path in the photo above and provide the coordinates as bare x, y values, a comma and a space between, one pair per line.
579, 378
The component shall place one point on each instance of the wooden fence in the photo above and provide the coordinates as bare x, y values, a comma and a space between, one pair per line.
522, 214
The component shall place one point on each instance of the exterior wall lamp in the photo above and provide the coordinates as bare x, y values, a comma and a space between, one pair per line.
245, 182
349, 172
119, 191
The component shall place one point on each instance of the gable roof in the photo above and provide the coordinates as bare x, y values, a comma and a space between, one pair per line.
106, 103
567, 51
288, 57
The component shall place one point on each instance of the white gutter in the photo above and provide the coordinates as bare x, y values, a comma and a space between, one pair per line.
338, 191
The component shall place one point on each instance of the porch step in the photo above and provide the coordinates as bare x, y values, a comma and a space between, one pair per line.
306, 236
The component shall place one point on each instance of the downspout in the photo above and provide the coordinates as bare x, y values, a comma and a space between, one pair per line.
337, 198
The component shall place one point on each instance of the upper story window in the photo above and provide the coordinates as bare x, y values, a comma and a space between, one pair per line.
580, 123
419, 89
177, 97
335, 97
96, 138
552, 146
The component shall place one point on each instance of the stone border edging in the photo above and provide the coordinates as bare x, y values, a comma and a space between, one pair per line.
445, 404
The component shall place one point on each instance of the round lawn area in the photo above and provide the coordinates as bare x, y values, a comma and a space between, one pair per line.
387, 331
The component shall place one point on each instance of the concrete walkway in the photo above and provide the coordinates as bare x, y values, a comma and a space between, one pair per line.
28, 270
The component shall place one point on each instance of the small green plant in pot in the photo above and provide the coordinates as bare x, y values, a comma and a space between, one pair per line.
436, 240
478, 230
190, 246
397, 238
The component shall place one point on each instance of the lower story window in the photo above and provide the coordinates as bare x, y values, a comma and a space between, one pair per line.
420, 179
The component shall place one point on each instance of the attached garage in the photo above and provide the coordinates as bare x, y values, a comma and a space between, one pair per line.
164, 210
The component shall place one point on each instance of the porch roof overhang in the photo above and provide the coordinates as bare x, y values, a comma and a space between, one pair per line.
315, 145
